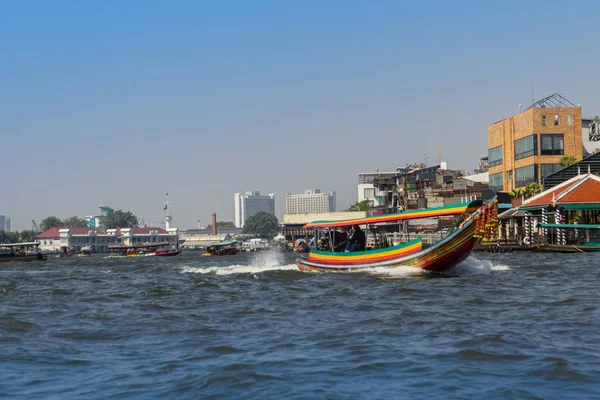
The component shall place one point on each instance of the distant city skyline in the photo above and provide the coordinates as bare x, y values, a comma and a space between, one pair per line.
123, 103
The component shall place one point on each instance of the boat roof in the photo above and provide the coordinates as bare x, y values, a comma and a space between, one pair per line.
569, 226
137, 246
224, 243
454, 209
19, 244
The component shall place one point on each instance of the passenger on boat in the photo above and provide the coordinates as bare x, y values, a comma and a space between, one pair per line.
340, 238
357, 241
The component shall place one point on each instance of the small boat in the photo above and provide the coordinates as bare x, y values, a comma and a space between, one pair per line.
161, 249
224, 248
21, 252
66, 251
477, 220
86, 252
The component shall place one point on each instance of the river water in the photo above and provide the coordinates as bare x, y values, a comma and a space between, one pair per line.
252, 326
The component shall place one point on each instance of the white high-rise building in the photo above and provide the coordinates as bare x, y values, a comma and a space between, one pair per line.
4, 223
251, 203
311, 201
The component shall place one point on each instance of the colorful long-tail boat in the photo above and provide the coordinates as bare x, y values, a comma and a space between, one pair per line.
477, 221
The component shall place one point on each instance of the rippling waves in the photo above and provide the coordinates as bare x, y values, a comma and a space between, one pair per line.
496, 326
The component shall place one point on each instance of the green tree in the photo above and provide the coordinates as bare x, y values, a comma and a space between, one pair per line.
532, 189
262, 224
49, 223
364, 205
222, 224
567, 160
119, 219
516, 193
27, 235
75, 222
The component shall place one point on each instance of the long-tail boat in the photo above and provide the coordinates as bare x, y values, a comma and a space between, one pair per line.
478, 220
21, 252
161, 249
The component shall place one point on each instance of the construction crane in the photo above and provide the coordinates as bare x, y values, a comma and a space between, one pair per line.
34, 226
467, 157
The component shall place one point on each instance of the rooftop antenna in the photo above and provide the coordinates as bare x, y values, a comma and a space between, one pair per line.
532, 98
520, 107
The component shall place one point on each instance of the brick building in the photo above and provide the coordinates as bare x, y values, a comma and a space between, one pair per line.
528, 146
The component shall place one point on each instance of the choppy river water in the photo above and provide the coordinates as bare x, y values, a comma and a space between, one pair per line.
502, 326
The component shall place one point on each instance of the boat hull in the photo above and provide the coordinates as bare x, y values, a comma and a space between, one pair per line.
26, 258
445, 254
556, 248
166, 253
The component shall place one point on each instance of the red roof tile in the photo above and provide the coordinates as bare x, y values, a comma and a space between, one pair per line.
49, 234
54, 232
581, 189
145, 231
587, 192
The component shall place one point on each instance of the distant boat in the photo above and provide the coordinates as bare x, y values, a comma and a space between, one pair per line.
66, 251
28, 251
161, 249
225, 248
86, 252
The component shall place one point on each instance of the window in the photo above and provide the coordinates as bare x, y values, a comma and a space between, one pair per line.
526, 175
369, 193
526, 147
510, 175
496, 181
495, 156
552, 144
548, 169
569, 120
544, 120
556, 119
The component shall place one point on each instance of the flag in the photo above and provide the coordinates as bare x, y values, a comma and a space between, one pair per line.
167, 194
166, 206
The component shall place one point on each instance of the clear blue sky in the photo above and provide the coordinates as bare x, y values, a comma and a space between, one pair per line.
119, 102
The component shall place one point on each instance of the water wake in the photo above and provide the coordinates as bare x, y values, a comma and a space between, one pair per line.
474, 266
260, 262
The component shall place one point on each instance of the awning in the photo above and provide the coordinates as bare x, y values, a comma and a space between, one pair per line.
454, 209
569, 226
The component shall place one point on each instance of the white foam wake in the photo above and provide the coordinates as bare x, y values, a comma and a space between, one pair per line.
260, 262
238, 269
392, 272
474, 266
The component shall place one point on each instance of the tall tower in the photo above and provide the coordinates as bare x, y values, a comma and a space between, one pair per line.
168, 217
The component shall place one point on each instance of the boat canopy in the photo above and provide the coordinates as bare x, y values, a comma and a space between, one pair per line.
569, 226
19, 244
137, 246
224, 243
454, 209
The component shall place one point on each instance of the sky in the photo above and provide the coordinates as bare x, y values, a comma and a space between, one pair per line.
119, 102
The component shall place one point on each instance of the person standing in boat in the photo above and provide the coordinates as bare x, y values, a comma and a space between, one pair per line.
358, 240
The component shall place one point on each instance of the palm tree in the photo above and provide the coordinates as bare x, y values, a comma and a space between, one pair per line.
567, 160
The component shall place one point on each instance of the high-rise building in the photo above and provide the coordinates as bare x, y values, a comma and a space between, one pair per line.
251, 203
311, 201
3, 223
7, 225
528, 146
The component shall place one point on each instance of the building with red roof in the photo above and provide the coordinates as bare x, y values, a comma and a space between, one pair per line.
99, 240
567, 213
